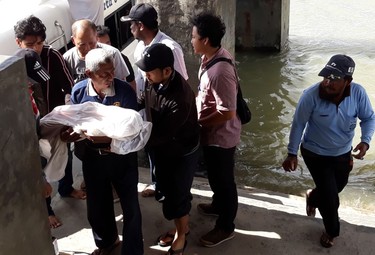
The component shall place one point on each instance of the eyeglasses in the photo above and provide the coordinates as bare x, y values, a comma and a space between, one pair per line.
332, 77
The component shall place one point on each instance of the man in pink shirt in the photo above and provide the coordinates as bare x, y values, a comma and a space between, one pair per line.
221, 127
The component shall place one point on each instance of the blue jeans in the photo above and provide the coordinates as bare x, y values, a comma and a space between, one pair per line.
330, 175
121, 171
220, 171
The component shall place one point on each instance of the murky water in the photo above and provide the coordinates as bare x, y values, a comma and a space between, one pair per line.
273, 82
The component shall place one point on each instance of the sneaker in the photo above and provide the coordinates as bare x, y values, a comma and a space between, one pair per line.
207, 209
310, 211
215, 237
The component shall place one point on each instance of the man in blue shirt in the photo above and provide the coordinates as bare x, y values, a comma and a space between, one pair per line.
102, 169
325, 119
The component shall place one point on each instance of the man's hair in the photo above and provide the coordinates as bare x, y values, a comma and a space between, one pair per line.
30, 26
209, 26
82, 24
102, 30
97, 57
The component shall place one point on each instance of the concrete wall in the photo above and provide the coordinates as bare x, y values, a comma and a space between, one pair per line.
23, 213
174, 20
262, 24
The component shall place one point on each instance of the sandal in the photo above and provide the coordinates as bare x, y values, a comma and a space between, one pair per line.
149, 191
177, 252
326, 240
168, 235
310, 210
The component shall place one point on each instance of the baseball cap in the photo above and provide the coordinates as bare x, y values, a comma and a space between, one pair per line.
35, 70
143, 12
158, 55
339, 65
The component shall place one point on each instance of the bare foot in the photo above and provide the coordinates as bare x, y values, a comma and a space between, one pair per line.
149, 191
54, 222
78, 194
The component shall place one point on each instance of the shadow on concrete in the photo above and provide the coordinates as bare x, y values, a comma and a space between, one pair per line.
267, 223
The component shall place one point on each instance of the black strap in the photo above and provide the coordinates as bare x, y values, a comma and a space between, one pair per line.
213, 62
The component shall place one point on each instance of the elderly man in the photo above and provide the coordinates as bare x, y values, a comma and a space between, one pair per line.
101, 168
325, 118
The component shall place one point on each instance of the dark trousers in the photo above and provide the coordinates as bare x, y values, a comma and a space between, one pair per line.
220, 171
65, 187
330, 175
174, 177
100, 172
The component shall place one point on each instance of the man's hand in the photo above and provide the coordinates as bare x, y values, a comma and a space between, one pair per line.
67, 135
47, 191
290, 163
362, 148
98, 139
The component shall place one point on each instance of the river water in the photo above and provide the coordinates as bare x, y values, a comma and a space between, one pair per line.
273, 83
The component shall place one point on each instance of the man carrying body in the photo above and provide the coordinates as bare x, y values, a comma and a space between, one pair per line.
325, 119
102, 169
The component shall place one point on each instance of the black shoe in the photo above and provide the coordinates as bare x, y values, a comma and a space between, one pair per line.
207, 209
215, 237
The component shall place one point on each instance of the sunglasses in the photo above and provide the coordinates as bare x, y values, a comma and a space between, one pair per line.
332, 77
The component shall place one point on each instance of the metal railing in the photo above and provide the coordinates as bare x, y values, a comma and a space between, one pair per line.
62, 35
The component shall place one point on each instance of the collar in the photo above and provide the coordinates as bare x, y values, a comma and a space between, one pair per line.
157, 39
92, 92
205, 60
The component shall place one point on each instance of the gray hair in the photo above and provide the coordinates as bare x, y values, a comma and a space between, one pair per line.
97, 57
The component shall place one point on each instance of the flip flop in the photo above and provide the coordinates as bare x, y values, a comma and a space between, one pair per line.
149, 191
162, 243
177, 252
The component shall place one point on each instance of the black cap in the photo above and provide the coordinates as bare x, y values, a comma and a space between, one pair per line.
338, 65
143, 12
35, 70
158, 55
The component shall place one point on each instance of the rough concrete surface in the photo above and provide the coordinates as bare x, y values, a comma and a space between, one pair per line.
267, 223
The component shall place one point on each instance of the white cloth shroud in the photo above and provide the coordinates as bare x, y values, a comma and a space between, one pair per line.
126, 127
55, 152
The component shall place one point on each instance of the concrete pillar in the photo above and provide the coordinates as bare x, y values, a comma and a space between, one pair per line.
262, 24
174, 21
23, 214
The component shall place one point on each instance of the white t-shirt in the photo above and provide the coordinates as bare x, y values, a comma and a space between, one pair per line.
87, 9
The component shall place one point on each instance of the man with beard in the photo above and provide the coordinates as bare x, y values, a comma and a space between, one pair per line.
170, 106
326, 118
